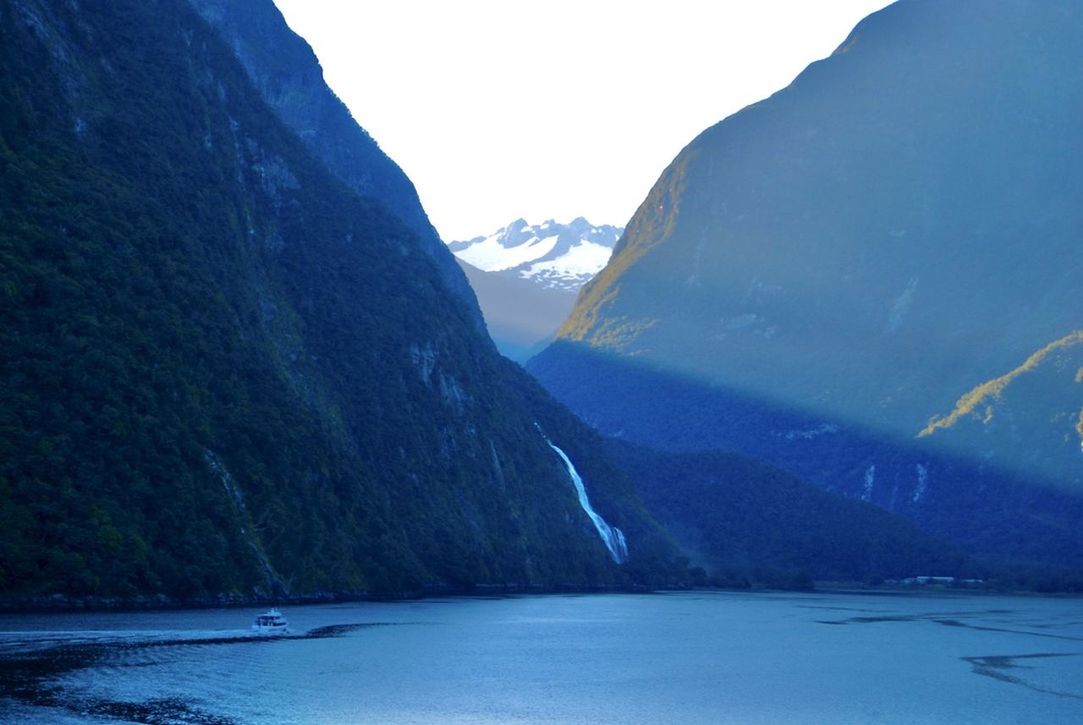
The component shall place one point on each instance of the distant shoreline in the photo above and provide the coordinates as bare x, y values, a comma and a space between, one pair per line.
62, 604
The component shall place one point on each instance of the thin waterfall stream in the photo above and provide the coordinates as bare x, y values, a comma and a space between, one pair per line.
611, 535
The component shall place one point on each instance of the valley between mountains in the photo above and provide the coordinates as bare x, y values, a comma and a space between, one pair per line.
839, 340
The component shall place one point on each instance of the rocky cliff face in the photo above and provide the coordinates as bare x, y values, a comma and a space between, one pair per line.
288, 76
226, 372
834, 267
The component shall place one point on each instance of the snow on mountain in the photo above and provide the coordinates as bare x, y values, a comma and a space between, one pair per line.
552, 255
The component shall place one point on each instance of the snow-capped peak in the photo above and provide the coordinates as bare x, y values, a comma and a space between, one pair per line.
555, 255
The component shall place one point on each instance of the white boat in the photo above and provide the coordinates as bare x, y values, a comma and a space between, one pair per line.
271, 622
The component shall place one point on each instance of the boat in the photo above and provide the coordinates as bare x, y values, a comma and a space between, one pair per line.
271, 622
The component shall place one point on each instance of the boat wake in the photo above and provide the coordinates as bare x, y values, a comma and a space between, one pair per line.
33, 670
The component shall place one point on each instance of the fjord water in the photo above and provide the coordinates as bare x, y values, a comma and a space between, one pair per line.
689, 657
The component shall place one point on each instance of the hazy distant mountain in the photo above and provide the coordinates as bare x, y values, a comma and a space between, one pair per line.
891, 238
526, 277
521, 316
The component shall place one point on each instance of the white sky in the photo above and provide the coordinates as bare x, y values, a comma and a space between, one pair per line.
498, 109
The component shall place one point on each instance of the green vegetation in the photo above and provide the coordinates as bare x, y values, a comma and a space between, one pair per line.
814, 276
745, 522
226, 373
1005, 519
985, 392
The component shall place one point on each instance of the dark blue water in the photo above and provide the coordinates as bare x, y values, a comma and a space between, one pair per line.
670, 658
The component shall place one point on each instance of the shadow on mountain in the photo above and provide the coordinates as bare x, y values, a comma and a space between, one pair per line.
745, 522
988, 511
227, 374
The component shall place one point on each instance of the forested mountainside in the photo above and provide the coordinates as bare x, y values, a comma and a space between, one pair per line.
1027, 417
871, 279
289, 78
227, 373
744, 521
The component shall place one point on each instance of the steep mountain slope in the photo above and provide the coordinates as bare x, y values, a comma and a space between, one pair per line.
742, 519
1022, 418
288, 76
225, 372
521, 316
526, 277
823, 273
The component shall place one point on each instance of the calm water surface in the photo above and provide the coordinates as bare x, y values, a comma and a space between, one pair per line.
687, 657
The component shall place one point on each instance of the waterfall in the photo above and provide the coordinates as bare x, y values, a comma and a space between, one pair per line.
870, 479
612, 537
923, 482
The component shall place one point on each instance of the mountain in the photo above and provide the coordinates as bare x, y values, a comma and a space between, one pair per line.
526, 277
229, 375
521, 316
551, 255
285, 71
871, 279
226, 373
743, 520
1027, 418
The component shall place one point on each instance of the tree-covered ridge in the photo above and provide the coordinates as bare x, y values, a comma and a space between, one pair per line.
745, 520
986, 393
985, 512
1028, 419
223, 371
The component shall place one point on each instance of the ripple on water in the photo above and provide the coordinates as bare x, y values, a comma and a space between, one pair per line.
703, 657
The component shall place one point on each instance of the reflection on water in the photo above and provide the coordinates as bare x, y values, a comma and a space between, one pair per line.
997, 667
682, 657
